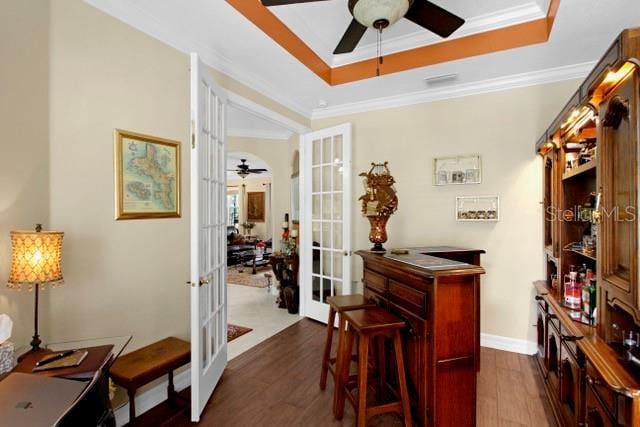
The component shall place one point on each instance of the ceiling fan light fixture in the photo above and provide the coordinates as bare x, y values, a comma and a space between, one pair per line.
243, 173
380, 13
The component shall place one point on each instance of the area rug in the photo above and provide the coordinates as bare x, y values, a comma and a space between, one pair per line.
234, 277
235, 331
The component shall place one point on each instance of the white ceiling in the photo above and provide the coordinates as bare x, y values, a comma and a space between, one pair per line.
227, 41
254, 162
244, 124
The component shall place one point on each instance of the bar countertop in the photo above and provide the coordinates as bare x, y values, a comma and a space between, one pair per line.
424, 260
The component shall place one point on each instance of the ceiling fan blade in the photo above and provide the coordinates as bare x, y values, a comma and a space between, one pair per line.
268, 3
256, 170
351, 38
434, 18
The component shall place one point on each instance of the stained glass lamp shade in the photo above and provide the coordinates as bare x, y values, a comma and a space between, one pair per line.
36, 260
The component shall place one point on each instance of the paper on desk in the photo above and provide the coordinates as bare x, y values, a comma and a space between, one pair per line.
6, 325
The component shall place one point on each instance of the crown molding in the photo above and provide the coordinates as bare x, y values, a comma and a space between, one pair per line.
504, 18
131, 14
259, 133
515, 81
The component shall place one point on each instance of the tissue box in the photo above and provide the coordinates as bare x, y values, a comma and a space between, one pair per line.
6, 357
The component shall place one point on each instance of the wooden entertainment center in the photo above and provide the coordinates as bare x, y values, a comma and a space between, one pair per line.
590, 177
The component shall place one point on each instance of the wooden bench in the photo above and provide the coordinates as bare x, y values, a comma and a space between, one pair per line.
146, 364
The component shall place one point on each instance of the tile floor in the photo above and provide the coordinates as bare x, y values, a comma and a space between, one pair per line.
255, 308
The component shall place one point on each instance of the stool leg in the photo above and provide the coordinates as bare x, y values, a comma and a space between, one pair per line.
342, 374
382, 366
341, 354
363, 364
402, 381
327, 349
132, 406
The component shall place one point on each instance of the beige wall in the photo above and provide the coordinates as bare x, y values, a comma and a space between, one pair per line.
24, 158
123, 277
277, 154
502, 127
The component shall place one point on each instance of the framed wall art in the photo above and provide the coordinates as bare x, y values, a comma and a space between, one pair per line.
477, 208
255, 206
147, 176
457, 170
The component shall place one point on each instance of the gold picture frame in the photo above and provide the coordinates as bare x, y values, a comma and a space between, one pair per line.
147, 176
256, 206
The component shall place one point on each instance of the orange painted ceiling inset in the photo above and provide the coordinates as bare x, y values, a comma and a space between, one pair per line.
514, 36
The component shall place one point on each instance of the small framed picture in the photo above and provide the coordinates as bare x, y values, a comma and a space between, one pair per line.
147, 176
457, 170
477, 208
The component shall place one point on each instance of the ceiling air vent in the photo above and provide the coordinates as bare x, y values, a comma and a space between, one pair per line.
443, 79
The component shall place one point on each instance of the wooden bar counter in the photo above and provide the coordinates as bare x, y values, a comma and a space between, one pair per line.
439, 298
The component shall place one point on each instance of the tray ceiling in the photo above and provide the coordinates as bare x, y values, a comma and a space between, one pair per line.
321, 24
410, 46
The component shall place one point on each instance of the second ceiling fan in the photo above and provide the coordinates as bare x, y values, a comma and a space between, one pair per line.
380, 14
243, 169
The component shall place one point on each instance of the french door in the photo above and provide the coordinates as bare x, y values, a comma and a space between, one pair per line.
208, 237
326, 200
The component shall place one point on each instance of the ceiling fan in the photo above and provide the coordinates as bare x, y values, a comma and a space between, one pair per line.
380, 14
244, 170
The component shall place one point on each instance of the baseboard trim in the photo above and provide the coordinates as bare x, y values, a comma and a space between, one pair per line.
153, 397
508, 344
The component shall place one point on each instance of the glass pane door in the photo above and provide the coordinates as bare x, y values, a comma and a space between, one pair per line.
327, 183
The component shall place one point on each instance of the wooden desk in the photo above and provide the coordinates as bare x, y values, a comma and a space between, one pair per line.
439, 299
93, 407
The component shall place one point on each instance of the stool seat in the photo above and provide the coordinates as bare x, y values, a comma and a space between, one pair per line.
373, 319
342, 303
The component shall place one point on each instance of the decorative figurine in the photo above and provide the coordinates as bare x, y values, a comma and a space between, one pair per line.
379, 202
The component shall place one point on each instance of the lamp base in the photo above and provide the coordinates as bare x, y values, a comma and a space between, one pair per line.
35, 343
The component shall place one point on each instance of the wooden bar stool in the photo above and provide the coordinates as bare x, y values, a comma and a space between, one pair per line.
339, 305
368, 325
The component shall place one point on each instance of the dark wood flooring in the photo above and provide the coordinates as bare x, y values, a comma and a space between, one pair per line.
276, 384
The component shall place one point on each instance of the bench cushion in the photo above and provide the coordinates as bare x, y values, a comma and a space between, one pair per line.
144, 365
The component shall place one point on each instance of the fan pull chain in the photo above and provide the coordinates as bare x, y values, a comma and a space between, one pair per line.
379, 51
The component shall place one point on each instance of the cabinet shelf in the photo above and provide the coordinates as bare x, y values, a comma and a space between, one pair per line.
572, 173
582, 253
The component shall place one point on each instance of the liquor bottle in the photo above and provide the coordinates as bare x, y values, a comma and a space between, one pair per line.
589, 299
572, 290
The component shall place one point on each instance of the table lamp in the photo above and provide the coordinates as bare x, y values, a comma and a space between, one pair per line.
36, 261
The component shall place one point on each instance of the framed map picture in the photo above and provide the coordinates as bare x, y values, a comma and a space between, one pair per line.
147, 176
255, 206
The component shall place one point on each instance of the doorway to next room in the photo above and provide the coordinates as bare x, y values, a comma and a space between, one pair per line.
262, 230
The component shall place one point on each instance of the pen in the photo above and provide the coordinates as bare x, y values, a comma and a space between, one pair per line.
56, 357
